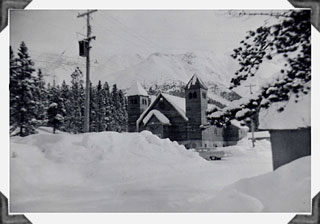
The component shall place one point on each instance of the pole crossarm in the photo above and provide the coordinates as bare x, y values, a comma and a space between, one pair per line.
87, 13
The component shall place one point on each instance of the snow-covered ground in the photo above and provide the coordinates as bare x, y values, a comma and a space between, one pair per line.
111, 172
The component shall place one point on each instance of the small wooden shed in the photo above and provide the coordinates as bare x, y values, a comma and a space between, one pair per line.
290, 130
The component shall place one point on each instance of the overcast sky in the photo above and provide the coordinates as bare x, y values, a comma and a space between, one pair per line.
56, 33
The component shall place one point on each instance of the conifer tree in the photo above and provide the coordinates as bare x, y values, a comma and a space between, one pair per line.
108, 116
23, 90
55, 115
290, 40
40, 98
77, 102
14, 97
65, 99
99, 104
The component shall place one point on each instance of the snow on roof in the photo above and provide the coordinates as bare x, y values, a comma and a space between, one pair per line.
216, 114
195, 82
259, 134
211, 107
238, 124
295, 115
136, 89
160, 116
177, 102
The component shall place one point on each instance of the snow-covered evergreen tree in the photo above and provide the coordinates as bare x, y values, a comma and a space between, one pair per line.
55, 116
14, 97
98, 110
40, 98
290, 40
65, 99
77, 100
22, 92
108, 116
118, 109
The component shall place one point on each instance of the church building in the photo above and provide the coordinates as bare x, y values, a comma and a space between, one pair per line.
180, 119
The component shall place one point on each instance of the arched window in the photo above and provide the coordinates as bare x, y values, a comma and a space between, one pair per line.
161, 105
190, 95
194, 95
204, 95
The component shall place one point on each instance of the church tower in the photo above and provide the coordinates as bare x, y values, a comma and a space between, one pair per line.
138, 101
196, 106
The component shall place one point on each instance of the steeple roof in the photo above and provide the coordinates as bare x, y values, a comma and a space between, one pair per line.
136, 89
195, 82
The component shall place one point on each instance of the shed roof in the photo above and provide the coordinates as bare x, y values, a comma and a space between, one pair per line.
295, 115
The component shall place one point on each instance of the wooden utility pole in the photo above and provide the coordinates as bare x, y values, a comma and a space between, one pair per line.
252, 121
87, 99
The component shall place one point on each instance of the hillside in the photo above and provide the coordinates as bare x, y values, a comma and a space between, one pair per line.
170, 72
159, 71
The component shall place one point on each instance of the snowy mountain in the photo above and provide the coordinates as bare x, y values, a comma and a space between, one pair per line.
159, 68
170, 72
159, 71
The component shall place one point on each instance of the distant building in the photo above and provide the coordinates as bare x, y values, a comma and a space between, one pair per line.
290, 130
180, 119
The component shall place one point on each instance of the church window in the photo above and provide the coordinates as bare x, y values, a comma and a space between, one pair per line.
190, 95
194, 95
204, 95
161, 104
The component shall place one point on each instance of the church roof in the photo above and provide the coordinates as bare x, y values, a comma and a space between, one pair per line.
136, 90
178, 104
160, 116
195, 82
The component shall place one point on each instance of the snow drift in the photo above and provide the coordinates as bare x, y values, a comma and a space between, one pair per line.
138, 172
288, 189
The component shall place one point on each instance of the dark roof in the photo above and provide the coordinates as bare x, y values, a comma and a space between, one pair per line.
195, 83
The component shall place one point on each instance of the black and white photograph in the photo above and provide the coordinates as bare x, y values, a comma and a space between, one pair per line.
179, 111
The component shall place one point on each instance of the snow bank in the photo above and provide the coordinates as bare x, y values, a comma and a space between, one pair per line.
288, 189
107, 150
49, 168
136, 172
